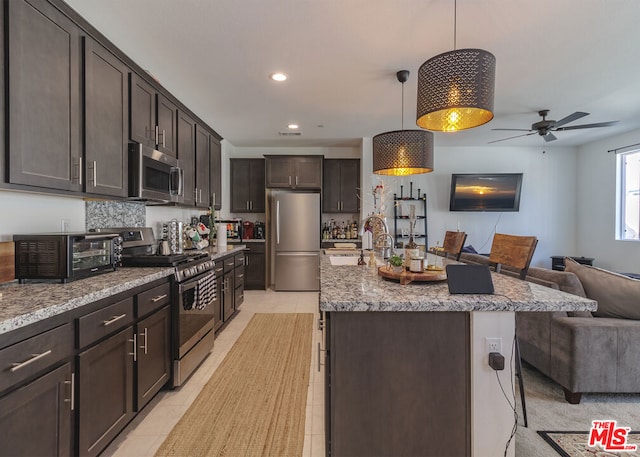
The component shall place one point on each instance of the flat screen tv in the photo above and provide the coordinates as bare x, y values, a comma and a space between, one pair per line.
485, 192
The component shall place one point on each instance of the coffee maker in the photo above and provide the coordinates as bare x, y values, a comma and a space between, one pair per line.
259, 232
247, 230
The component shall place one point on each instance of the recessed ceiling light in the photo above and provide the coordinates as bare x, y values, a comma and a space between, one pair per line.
279, 77
293, 126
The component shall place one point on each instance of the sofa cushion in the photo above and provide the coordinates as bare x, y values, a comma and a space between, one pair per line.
617, 295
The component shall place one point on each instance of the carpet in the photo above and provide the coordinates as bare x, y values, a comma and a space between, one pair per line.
255, 402
574, 444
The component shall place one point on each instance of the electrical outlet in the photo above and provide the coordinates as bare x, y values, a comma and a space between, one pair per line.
493, 345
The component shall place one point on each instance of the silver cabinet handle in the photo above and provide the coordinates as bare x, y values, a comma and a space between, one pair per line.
163, 142
113, 319
158, 298
72, 396
246, 205
80, 171
246, 260
95, 173
144, 335
213, 199
240, 276
17, 365
338, 206
289, 181
278, 221
251, 205
156, 135
296, 180
319, 351
135, 347
218, 270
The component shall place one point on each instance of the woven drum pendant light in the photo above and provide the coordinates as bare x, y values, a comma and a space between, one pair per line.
403, 152
456, 89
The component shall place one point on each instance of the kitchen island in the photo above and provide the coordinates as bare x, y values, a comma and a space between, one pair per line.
407, 365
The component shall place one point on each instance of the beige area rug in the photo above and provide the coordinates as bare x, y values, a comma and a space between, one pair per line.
255, 402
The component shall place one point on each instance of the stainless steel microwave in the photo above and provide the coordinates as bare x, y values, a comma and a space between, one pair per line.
154, 176
65, 256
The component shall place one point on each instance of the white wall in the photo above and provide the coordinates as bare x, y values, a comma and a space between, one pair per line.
24, 213
547, 204
596, 210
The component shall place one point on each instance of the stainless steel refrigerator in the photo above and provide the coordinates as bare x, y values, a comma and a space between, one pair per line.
295, 240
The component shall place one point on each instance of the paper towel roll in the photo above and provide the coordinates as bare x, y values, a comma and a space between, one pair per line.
221, 237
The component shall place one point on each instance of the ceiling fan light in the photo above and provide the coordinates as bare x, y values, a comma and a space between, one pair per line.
403, 152
456, 90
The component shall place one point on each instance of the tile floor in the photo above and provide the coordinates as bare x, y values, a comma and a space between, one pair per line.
144, 435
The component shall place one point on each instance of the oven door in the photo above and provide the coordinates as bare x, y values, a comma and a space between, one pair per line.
195, 310
91, 254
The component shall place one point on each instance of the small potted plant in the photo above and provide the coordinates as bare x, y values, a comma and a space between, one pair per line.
396, 263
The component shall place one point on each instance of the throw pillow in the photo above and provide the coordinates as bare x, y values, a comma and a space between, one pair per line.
617, 295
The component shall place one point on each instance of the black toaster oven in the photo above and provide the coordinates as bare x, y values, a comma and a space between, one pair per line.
65, 256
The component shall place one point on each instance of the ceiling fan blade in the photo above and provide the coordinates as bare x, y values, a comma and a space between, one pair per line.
514, 130
588, 126
549, 137
511, 137
570, 118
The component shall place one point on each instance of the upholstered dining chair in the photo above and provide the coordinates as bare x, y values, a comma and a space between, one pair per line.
514, 251
452, 244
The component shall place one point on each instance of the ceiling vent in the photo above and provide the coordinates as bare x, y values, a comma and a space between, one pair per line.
287, 133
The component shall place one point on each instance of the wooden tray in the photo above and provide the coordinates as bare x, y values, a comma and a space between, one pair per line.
406, 277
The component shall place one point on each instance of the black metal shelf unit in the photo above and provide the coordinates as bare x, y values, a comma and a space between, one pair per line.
420, 237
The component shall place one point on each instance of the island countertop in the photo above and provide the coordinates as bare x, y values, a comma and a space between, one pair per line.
358, 288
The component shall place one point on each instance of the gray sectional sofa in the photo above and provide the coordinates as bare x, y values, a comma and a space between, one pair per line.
580, 351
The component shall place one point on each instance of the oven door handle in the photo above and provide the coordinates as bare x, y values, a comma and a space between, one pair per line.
192, 282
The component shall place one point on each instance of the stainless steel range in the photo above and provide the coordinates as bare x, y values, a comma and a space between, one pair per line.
193, 296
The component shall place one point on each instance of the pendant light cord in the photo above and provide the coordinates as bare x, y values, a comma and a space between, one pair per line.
402, 115
455, 22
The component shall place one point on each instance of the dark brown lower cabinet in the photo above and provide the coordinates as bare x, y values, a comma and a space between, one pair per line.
35, 420
153, 366
228, 294
398, 383
255, 267
105, 391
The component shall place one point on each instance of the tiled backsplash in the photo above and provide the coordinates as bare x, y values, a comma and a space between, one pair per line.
114, 214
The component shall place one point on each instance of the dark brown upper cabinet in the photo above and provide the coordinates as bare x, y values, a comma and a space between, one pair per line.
106, 121
247, 185
153, 117
215, 171
186, 155
44, 97
294, 172
341, 186
202, 168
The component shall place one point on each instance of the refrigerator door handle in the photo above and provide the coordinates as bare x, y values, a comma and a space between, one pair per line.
277, 221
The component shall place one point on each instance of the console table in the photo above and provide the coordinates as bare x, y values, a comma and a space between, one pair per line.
557, 261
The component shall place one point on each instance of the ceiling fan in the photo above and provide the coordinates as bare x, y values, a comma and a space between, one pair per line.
545, 127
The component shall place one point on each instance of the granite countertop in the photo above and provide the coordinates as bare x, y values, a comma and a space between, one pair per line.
357, 288
24, 304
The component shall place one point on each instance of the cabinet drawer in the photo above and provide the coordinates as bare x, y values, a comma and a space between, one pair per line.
239, 296
153, 299
107, 320
239, 274
229, 263
239, 260
24, 359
